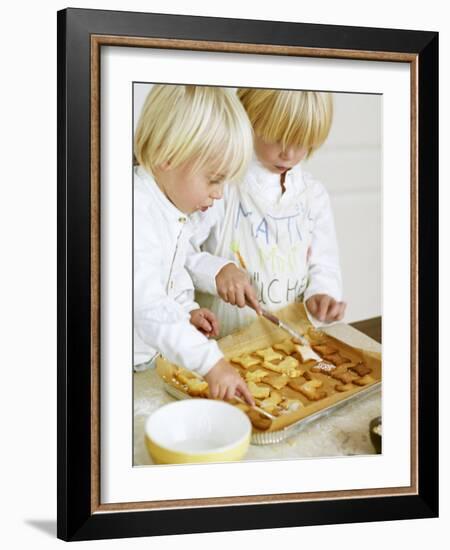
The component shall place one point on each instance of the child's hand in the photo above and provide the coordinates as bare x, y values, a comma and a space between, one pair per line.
325, 308
235, 288
205, 321
224, 382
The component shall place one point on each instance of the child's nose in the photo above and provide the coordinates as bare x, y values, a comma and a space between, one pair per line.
217, 193
287, 153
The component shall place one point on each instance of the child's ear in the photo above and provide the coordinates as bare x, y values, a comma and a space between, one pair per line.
164, 166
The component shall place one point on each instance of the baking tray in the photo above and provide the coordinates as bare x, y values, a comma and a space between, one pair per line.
269, 438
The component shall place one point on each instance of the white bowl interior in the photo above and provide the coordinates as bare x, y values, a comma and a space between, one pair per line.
195, 426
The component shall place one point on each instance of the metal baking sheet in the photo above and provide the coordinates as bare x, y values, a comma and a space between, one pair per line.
269, 438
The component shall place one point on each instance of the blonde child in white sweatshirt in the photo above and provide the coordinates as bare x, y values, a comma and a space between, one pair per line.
189, 141
277, 224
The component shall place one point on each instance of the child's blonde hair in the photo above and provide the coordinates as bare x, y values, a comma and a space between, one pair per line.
292, 118
199, 124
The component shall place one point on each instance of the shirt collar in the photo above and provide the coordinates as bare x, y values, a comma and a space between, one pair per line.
264, 177
168, 206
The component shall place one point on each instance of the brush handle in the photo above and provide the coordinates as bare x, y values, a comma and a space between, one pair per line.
279, 323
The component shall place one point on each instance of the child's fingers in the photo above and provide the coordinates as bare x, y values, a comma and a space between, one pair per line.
213, 391
341, 313
204, 324
323, 307
207, 314
230, 392
222, 293
312, 305
214, 324
239, 393
222, 392
239, 296
336, 312
333, 310
245, 392
252, 301
231, 298
212, 319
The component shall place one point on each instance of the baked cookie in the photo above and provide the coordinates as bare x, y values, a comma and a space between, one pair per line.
324, 349
295, 385
277, 381
291, 405
268, 354
183, 376
270, 403
364, 381
323, 367
316, 336
197, 387
336, 358
344, 376
344, 387
246, 360
258, 392
311, 390
289, 367
256, 375
287, 346
360, 369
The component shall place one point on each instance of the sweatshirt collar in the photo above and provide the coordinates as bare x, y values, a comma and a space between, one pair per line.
168, 206
264, 177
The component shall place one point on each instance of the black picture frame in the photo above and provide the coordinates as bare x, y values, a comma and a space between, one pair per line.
80, 516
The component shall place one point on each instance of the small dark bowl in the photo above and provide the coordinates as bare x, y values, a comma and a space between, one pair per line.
374, 437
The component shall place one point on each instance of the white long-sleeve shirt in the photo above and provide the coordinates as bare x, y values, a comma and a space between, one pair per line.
287, 240
163, 289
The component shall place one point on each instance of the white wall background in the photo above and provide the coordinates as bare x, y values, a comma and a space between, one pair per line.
349, 165
28, 274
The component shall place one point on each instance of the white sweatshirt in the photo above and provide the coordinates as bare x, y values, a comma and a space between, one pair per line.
163, 289
287, 240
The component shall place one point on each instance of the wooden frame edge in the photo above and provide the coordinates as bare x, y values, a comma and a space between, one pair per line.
234, 47
107, 40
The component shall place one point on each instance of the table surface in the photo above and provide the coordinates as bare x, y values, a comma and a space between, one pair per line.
344, 432
370, 327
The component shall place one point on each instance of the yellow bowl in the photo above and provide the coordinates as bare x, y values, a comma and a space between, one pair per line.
197, 430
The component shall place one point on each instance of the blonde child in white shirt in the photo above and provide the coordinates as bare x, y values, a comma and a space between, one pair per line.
189, 140
277, 224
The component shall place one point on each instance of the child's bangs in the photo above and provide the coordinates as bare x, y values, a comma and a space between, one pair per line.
299, 119
226, 150
295, 135
203, 126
